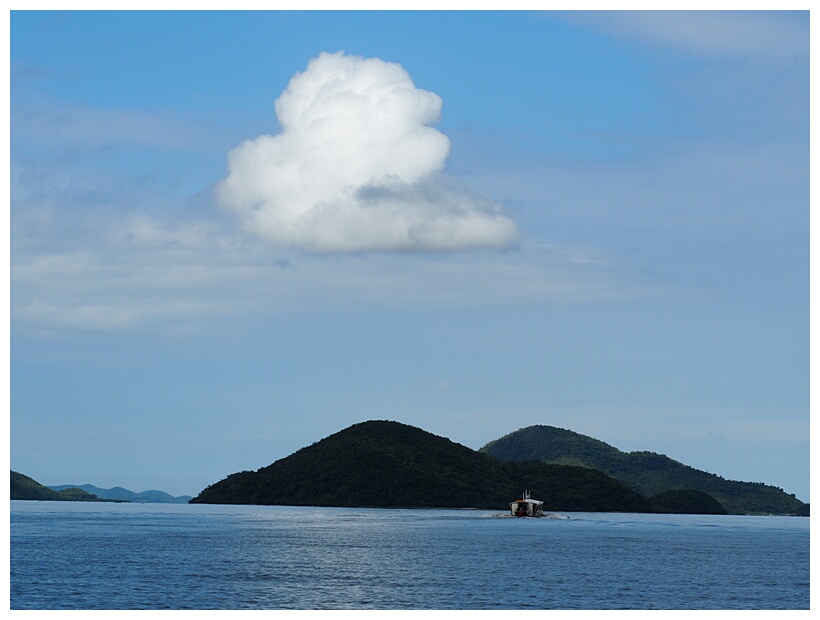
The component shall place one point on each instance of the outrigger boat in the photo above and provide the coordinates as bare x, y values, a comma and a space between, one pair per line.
527, 507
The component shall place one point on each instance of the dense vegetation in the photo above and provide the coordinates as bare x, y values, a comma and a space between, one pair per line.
646, 472
687, 501
388, 464
23, 487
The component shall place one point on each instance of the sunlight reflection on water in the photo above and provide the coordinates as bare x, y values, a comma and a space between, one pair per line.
67, 555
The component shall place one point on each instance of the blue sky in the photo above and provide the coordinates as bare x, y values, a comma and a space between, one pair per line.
597, 221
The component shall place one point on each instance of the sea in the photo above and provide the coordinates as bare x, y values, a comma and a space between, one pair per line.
79, 555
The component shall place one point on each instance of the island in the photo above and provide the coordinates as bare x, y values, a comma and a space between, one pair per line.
24, 487
386, 464
649, 473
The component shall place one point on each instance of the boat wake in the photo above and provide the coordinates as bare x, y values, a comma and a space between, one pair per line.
529, 507
548, 515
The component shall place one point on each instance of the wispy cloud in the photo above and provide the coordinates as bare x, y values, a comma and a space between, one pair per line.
740, 34
96, 127
162, 276
20, 74
357, 167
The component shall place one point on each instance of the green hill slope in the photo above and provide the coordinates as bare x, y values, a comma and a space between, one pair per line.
687, 501
23, 487
646, 472
388, 464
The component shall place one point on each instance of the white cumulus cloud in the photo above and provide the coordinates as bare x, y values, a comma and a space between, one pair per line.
357, 167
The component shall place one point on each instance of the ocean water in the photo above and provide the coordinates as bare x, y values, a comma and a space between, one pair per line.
74, 555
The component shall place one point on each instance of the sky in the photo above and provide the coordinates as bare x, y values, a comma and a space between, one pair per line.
233, 234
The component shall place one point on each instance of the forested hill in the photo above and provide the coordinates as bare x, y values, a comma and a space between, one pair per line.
388, 464
648, 473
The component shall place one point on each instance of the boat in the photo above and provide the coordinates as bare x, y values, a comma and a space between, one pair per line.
527, 507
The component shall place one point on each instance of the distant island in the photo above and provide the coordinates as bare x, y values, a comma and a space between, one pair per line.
24, 487
648, 473
392, 465
118, 493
